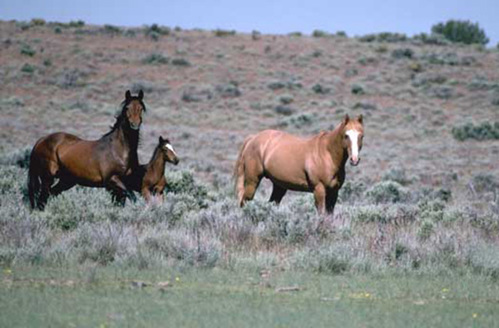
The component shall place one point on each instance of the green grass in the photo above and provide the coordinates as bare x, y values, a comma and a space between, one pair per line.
105, 297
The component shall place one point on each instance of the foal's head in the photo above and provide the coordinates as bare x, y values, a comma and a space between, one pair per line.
133, 106
167, 150
353, 137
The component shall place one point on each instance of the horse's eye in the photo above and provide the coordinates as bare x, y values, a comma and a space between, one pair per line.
346, 137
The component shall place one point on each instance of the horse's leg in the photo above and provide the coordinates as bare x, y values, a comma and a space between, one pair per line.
47, 181
320, 198
331, 198
118, 190
277, 194
253, 174
61, 186
250, 187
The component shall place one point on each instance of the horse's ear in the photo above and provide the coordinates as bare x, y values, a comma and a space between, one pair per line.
346, 119
128, 95
141, 95
161, 139
360, 118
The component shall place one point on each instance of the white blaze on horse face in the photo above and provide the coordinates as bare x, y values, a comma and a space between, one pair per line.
170, 147
354, 139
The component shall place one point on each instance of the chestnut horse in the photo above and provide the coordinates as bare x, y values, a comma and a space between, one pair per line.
150, 178
99, 163
316, 164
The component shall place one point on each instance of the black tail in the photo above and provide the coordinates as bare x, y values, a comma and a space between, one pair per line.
33, 183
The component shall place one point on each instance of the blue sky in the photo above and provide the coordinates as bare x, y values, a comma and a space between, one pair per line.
267, 16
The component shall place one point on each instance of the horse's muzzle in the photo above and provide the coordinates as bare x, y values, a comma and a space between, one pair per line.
175, 162
354, 163
134, 126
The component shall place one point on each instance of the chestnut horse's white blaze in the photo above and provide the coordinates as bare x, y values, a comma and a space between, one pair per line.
315, 164
354, 139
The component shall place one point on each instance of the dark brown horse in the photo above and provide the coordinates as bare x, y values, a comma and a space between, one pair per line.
99, 163
314, 165
149, 179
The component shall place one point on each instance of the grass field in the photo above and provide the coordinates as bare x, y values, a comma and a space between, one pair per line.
97, 297
414, 240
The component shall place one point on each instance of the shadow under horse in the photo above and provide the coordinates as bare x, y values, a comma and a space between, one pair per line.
315, 164
97, 163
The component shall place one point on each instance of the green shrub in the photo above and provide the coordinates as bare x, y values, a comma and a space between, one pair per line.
284, 110
27, 68
397, 175
351, 191
319, 34
433, 39
384, 37
321, 89
286, 99
37, 22
461, 31
111, 29
299, 120
155, 59
27, 50
77, 23
402, 53
483, 131
180, 62
426, 229
183, 182
484, 182
19, 157
357, 89
387, 192
224, 33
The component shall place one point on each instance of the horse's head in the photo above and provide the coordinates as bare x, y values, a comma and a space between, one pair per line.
133, 108
168, 151
353, 136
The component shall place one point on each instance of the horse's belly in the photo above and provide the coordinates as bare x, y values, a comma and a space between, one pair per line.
297, 181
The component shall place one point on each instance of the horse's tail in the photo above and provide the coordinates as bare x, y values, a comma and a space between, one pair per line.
33, 180
239, 172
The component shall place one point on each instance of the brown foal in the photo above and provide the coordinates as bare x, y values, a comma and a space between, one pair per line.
149, 179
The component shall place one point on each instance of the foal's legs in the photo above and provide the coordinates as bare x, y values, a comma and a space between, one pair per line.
277, 194
331, 198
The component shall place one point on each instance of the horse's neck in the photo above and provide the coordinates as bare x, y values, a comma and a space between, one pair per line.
157, 163
334, 146
128, 140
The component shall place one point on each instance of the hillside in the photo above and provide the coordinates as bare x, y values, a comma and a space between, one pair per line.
208, 92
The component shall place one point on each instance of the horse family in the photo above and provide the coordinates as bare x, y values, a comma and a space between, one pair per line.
315, 164
97, 163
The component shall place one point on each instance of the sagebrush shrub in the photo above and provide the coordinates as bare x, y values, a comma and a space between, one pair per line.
387, 192
483, 131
